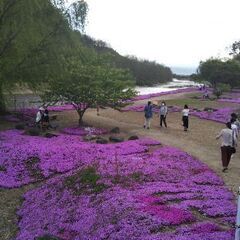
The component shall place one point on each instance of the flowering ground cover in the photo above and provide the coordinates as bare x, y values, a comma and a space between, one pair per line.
230, 100
221, 115
232, 97
83, 131
10, 118
25, 159
162, 194
131, 190
60, 108
151, 95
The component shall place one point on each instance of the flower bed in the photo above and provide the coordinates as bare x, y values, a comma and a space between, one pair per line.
83, 131
28, 159
11, 118
128, 190
166, 194
60, 108
151, 95
231, 97
222, 115
230, 100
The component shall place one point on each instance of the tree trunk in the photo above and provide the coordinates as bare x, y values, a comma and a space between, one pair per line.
2, 101
80, 114
80, 121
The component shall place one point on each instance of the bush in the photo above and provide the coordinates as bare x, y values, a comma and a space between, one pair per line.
33, 132
20, 126
220, 89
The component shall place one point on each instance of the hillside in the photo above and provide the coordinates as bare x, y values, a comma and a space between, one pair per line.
146, 73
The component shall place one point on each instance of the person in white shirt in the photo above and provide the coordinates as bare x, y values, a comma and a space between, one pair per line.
234, 119
185, 114
234, 129
163, 114
39, 116
227, 146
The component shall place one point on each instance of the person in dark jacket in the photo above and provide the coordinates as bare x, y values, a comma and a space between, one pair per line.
148, 113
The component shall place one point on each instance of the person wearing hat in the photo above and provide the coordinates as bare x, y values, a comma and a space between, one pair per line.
39, 116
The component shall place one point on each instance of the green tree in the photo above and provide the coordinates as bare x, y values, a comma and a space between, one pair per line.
35, 41
211, 71
235, 50
217, 71
75, 13
87, 86
221, 88
145, 72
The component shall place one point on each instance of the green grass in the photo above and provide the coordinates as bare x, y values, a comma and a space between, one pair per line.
85, 181
193, 101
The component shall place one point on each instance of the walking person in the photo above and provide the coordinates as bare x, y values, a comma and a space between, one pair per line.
185, 114
227, 146
148, 113
163, 113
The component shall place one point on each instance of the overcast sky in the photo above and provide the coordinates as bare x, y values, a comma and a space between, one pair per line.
172, 32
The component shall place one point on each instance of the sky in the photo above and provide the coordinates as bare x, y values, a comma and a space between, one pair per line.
171, 32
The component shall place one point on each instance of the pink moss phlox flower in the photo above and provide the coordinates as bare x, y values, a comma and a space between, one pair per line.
146, 190
151, 95
83, 131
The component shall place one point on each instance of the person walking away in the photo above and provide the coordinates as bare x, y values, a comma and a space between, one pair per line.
148, 113
185, 114
39, 117
163, 113
227, 146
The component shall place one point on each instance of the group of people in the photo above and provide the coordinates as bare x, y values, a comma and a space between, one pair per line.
229, 136
42, 118
163, 111
202, 87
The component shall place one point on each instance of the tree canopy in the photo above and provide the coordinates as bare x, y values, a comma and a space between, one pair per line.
42, 44
87, 86
217, 71
35, 41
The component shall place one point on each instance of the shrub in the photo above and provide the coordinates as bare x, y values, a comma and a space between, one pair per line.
33, 132
20, 126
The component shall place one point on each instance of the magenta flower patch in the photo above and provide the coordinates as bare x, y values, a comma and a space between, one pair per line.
222, 115
135, 192
151, 95
83, 131
25, 158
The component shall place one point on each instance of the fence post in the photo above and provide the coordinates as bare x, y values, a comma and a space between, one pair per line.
237, 234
